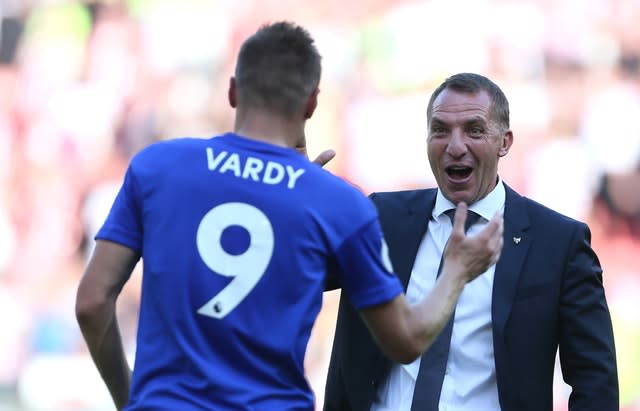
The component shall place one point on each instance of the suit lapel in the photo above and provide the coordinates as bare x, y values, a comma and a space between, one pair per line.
508, 268
413, 230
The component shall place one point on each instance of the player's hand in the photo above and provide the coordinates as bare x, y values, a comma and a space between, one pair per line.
322, 159
470, 256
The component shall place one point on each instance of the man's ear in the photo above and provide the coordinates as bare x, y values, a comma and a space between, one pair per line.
312, 103
507, 140
232, 92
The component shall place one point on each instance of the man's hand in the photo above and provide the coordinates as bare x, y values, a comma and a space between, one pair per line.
404, 331
473, 255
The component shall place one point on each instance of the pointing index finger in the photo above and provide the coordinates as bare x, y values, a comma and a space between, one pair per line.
460, 218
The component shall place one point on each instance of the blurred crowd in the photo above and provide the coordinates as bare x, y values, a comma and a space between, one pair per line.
86, 84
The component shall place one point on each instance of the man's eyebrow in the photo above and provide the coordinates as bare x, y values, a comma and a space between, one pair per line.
476, 119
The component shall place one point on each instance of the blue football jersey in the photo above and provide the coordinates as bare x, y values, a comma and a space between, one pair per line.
236, 238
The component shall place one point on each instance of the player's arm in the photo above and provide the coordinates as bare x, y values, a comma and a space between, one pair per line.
108, 270
405, 331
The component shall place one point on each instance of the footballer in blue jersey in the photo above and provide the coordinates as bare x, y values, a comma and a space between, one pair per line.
237, 235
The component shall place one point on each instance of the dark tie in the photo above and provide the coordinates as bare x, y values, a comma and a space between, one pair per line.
434, 361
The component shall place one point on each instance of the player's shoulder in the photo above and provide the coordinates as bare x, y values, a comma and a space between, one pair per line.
333, 195
337, 184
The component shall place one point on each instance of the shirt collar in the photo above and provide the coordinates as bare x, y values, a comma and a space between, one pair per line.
485, 207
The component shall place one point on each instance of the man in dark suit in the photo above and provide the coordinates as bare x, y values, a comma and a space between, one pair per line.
544, 293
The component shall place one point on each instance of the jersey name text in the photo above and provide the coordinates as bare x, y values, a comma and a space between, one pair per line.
253, 168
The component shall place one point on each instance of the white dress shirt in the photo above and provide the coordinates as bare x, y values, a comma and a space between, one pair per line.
470, 377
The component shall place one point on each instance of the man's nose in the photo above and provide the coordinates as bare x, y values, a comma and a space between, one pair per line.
457, 146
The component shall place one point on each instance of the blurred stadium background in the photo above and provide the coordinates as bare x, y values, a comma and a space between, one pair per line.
85, 84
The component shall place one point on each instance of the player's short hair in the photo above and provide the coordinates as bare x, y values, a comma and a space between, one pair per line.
277, 69
475, 83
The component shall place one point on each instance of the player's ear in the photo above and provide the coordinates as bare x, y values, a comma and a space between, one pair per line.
312, 103
232, 92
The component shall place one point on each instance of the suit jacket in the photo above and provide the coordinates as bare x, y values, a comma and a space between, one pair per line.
547, 293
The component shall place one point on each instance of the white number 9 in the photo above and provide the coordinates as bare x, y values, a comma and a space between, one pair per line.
246, 268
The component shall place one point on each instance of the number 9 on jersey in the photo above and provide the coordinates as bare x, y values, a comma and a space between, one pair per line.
246, 268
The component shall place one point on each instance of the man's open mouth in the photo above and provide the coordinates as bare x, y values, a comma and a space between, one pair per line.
458, 172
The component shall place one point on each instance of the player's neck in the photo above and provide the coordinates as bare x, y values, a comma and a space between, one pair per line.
268, 128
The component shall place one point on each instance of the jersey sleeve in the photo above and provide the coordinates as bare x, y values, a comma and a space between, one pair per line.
124, 222
364, 268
